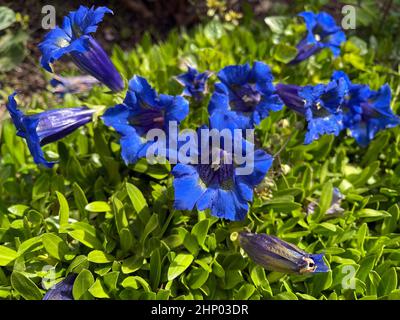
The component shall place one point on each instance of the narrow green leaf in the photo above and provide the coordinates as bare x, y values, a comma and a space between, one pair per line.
181, 262
7, 255
25, 286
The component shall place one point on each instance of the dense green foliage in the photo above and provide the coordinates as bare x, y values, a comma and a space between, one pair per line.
115, 225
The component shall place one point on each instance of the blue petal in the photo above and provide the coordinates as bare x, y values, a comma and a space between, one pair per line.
261, 73
187, 186
131, 143
85, 20
143, 90
316, 127
319, 262
235, 75
227, 204
177, 110
326, 22
15, 113
221, 120
341, 74
219, 99
262, 163
381, 100
270, 103
309, 18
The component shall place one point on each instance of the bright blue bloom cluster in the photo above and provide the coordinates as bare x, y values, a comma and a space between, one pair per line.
275, 254
247, 92
322, 32
366, 111
218, 187
46, 127
74, 39
194, 82
321, 105
142, 110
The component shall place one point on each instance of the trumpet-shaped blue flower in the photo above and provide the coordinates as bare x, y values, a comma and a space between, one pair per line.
46, 127
77, 84
321, 105
74, 39
62, 290
275, 254
322, 32
195, 83
366, 112
217, 185
246, 91
142, 110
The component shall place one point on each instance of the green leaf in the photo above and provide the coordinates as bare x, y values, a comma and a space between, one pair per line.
197, 277
78, 264
373, 215
284, 53
326, 197
82, 283
25, 286
277, 24
86, 234
245, 292
63, 212
97, 256
111, 280
18, 209
121, 220
138, 202
7, 17
155, 268
7, 255
151, 225
390, 224
181, 262
98, 206
30, 245
97, 290
200, 230
79, 198
388, 282
132, 264
56, 247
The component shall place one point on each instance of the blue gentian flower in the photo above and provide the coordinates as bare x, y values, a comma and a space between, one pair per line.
322, 32
76, 84
366, 112
46, 127
246, 91
74, 39
195, 83
142, 110
218, 186
321, 105
275, 254
62, 290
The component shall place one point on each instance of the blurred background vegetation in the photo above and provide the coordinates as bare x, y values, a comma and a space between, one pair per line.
21, 30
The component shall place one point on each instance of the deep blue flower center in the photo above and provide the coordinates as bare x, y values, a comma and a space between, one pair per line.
219, 173
319, 111
368, 112
148, 119
247, 97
